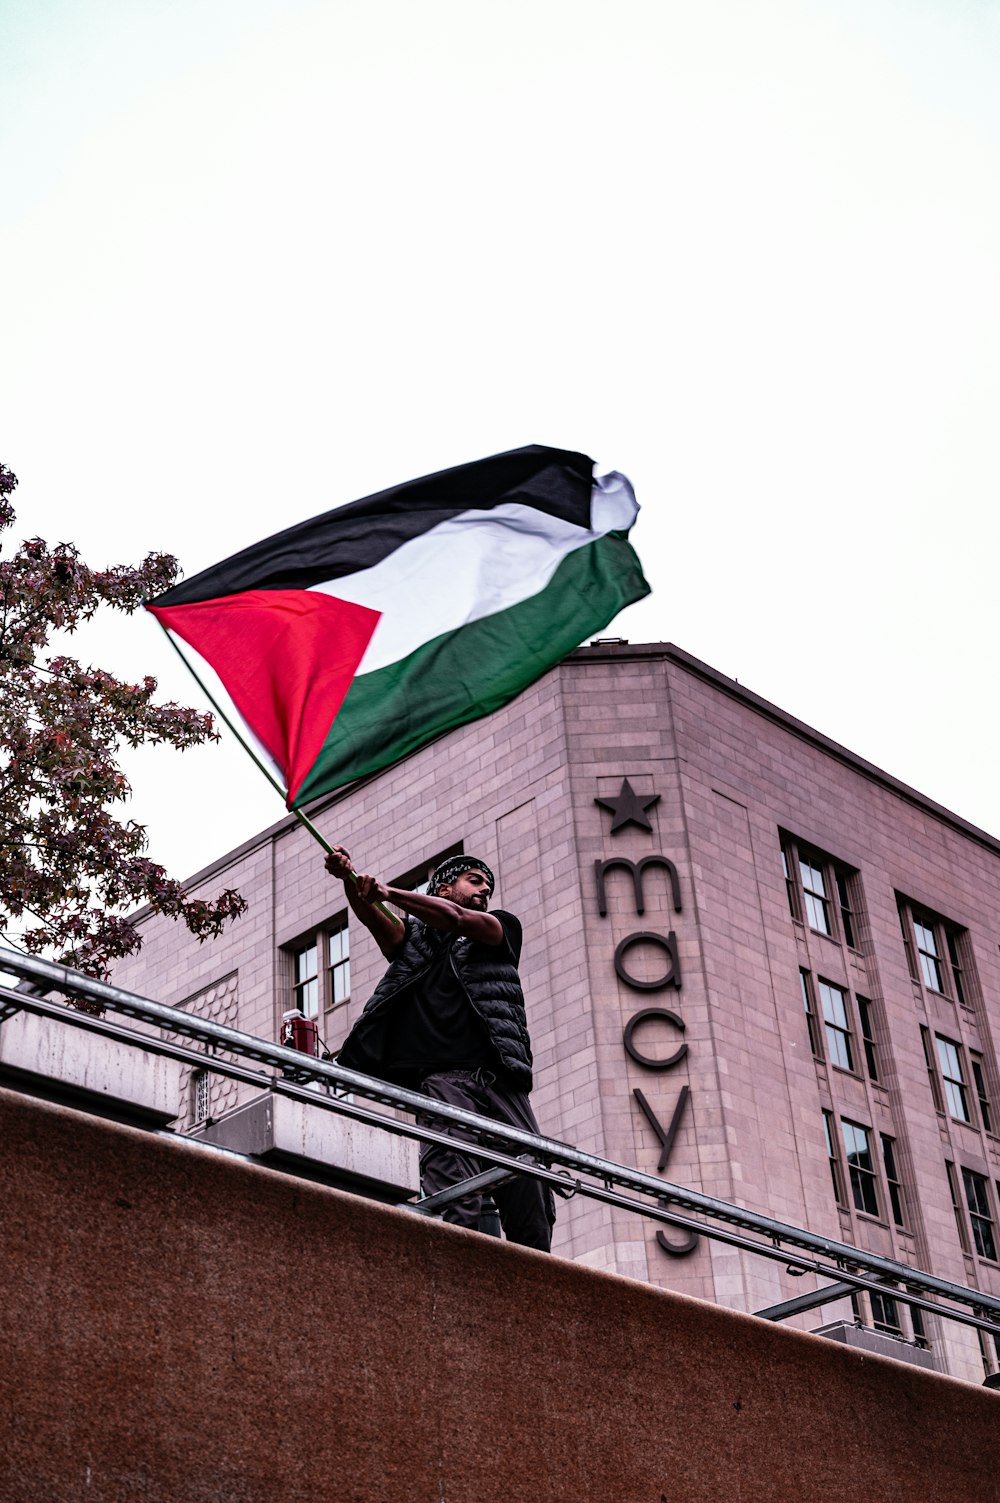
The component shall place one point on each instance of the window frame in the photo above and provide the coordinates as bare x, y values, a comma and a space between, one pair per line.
889, 1322
331, 977
956, 1088
869, 1035
929, 961
893, 1326
815, 902
812, 1017
956, 1205
991, 1363
836, 1170
837, 897
842, 881
861, 1178
837, 1036
977, 1065
982, 1221
338, 965
932, 1074
791, 890
300, 983
949, 961
894, 1185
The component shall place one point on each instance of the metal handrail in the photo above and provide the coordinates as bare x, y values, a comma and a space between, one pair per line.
497, 1144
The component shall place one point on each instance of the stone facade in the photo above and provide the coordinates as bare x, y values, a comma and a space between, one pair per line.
732, 787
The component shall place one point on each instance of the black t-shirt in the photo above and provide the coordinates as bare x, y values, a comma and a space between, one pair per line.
434, 1025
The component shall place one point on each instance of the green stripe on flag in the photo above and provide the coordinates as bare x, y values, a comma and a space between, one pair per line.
475, 670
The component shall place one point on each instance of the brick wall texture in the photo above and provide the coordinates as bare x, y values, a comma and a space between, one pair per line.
735, 779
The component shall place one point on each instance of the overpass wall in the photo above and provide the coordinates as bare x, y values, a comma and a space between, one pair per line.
179, 1326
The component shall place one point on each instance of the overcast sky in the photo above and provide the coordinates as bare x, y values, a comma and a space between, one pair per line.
258, 259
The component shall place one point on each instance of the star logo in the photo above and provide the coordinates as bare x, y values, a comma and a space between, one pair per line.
628, 808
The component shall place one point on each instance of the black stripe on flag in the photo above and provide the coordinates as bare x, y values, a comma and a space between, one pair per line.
362, 533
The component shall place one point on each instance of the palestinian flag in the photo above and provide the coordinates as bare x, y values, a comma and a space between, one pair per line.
351, 640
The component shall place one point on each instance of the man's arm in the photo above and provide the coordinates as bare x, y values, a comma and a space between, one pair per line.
441, 913
362, 894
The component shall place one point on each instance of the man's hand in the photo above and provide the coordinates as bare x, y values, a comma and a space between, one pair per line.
363, 892
371, 890
338, 864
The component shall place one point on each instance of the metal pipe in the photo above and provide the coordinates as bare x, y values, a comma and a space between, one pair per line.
803, 1302
461, 1190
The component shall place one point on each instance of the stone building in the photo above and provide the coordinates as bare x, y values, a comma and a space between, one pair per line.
754, 963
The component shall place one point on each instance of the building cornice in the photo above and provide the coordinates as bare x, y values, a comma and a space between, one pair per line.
611, 651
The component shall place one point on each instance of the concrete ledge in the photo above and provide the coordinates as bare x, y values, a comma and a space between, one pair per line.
96, 1072
867, 1340
353, 1155
181, 1326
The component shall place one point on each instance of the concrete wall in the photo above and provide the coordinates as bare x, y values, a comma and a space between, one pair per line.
176, 1325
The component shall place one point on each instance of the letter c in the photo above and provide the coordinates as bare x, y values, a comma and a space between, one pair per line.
644, 1059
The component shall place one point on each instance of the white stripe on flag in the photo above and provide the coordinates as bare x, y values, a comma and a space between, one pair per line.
472, 566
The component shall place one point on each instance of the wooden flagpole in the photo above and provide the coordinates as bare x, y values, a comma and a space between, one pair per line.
302, 818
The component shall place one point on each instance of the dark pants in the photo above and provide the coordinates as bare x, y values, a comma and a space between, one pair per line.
526, 1206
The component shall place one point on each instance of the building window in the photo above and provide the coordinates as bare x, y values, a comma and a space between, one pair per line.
892, 1179
811, 1022
339, 961
791, 891
956, 969
977, 1195
831, 1151
868, 1037
956, 1205
861, 1167
321, 971
979, 1078
904, 924
820, 891
817, 900
954, 1080
847, 923
989, 1349
925, 1039
928, 955
306, 986
934, 951
838, 1033
885, 1314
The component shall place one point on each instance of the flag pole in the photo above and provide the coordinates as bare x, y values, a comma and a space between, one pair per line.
302, 818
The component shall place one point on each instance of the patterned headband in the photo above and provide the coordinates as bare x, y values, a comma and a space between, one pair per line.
454, 867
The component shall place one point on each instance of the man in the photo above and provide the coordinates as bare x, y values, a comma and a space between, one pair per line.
447, 1019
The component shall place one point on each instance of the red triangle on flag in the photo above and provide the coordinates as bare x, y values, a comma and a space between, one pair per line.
286, 657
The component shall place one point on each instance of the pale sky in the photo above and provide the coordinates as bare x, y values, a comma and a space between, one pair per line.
259, 258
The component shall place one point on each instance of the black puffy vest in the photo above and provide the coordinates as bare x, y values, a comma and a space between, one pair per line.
489, 980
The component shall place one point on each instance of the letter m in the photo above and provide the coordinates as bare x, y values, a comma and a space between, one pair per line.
637, 869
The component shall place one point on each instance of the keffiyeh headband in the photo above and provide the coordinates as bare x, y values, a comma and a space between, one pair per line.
454, 867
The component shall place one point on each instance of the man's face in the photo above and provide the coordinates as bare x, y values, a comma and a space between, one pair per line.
470, 890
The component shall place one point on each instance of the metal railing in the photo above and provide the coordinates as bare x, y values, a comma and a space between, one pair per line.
507, 1150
